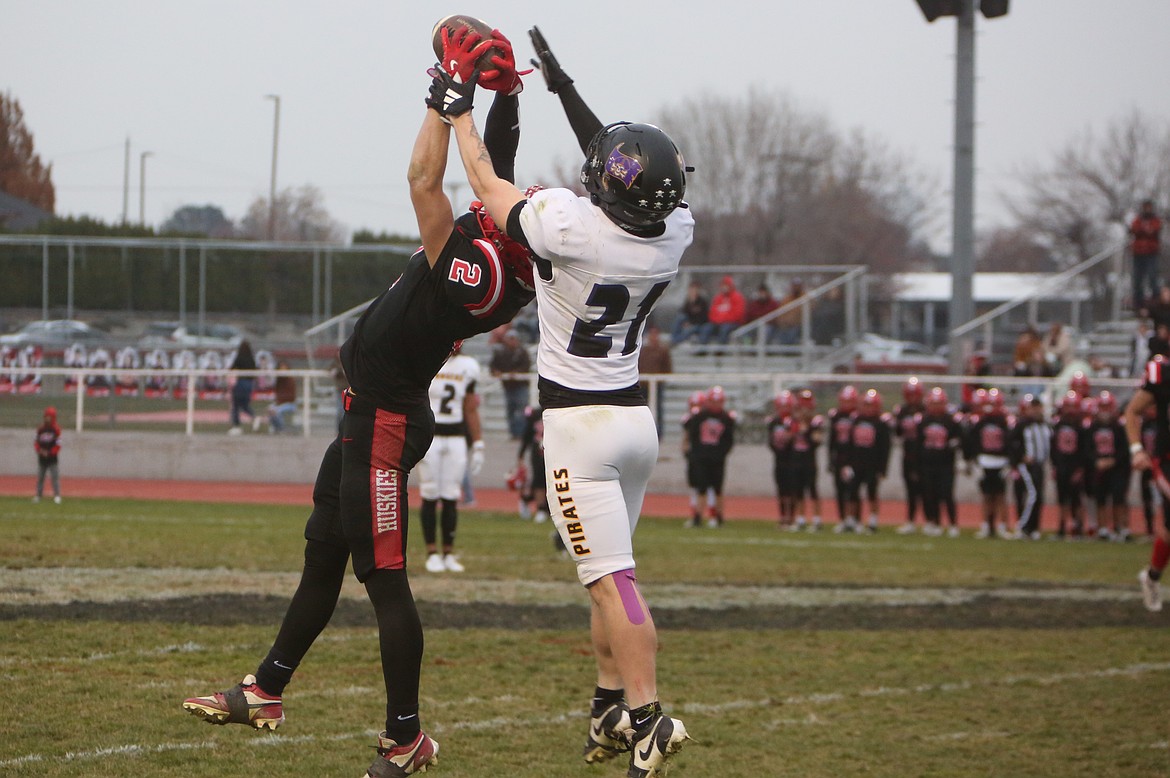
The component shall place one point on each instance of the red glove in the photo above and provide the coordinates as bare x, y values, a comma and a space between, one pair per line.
462, 50
504, 78
55, 450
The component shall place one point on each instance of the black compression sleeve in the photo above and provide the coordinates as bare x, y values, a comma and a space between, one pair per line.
584, 122
501, 134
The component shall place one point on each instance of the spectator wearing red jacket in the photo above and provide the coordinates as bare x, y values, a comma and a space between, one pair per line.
48, 445
1146, 230
761, 304
726, 312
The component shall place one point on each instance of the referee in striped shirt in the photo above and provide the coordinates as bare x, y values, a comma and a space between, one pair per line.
1031, 439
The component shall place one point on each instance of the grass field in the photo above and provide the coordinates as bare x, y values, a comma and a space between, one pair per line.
787, 655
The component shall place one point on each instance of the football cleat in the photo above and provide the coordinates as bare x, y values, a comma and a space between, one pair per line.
245, 703
909, 529
609, 733
1151, 591
654, 745
435, 563
394, 761
451, 564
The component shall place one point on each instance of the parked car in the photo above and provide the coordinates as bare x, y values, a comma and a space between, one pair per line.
877, 354
172, 335
55, 334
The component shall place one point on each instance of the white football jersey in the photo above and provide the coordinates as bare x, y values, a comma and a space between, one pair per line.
454, 380
604, 284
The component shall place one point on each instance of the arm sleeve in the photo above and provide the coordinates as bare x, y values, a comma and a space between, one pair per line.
584, 122
501, 135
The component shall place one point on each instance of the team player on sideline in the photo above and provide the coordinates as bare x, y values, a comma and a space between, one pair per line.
840, 435
1155, 391
808, 434
602, 263
868, 456
708, 437
467, 279
906, 417
453, 402
940, 436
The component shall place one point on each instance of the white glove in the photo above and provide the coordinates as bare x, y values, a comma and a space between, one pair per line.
476, 463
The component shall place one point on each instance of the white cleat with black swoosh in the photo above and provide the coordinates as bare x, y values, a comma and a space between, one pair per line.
654, 744
609, 733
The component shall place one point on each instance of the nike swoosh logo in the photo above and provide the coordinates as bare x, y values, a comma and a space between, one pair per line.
407, 718
640, 722
649, 751
282, 667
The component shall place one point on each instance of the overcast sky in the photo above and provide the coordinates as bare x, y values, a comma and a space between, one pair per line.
186, 81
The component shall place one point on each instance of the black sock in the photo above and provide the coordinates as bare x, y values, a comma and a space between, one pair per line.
1154, 574
644, 716
274, 673
603, 698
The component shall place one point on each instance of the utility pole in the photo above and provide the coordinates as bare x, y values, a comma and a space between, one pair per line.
272, 183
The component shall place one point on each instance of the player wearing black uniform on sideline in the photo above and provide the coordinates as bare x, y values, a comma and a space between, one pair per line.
905, 421
868, 455
840, 423
1154, 391
532, 443
468, 279
1149, 439
809, 434
939, 436
1068, 465
987, 447
779, 429
1109, 459
710, 436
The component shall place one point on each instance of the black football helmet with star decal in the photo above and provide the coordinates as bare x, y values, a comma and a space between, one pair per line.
635, 173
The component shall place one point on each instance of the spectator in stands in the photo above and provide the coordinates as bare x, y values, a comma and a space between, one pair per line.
1140, 351
284, 401
761, 304
1028, 358
726, 312
1058, 349
1158, 309
508, 359
692, 316
242, 388
789, 323
655, 358
1146, 229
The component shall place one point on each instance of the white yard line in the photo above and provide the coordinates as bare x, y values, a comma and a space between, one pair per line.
514, 722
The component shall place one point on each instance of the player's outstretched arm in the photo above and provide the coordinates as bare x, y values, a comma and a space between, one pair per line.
497, 195
582, 120
428, 163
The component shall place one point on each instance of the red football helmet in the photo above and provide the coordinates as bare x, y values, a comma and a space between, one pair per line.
1079, 383
1070, 404
806, 400
871, 403
936, 400
1107, 403
785, 403
979, 401
847, 399
715, 398
995, 402
1088, 407
912, 391
1025, 403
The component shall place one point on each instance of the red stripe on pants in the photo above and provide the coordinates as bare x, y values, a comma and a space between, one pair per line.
388, 490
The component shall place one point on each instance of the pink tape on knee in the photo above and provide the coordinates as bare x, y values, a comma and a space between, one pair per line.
627, 586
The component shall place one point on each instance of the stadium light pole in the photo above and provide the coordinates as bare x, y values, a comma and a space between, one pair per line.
272, 184
962, 307
142, 186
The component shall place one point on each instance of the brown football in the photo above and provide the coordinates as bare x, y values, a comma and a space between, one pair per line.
453, 23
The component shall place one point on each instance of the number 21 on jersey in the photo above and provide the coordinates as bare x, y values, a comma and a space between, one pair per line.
589, 339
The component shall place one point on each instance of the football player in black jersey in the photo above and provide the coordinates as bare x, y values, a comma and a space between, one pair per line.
1155, 391
467, 279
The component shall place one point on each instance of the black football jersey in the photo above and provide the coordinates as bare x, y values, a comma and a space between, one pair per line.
1156, 381
403, 338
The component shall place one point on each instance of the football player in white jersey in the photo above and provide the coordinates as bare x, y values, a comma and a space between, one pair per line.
602, 263
441, 471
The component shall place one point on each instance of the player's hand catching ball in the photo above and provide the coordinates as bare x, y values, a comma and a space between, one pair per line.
448, 95
462, 50
504, 77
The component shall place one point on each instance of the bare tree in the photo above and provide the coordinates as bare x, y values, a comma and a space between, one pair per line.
1078, 202
22, 174
776, 183
300, 216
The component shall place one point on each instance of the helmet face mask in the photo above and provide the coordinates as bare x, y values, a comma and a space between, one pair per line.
635, 173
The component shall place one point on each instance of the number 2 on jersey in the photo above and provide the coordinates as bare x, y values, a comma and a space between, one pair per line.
587, 339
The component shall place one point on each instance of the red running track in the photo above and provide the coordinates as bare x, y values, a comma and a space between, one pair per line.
735, 507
